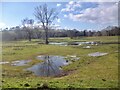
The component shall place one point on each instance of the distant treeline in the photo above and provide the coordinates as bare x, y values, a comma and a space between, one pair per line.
17, 33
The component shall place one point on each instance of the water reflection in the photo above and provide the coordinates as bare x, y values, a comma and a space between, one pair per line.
4, 62
97, 54
73, 43
20, 62
51, 66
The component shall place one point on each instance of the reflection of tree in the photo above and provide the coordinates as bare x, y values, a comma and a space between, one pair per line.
49, 67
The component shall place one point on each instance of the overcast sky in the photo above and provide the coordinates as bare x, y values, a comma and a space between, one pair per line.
78, 15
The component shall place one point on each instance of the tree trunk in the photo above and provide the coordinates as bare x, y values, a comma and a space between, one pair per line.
46, 41
29, 37
46, 36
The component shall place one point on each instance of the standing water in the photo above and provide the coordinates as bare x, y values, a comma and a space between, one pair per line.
51, 66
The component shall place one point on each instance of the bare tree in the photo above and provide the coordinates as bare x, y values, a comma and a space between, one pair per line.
27, 26
46, 17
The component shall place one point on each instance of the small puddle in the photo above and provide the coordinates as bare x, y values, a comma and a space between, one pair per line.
72, 58
88, 43
97, 54
51, 66
87, 47
58, 43
72, 43
4, 62
20, 62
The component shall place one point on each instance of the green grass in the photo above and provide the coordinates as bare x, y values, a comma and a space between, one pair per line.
97, 38
88, 72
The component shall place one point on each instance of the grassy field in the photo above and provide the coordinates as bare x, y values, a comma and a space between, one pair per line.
88, 72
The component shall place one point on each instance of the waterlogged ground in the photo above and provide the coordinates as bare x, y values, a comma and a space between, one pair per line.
92, 66
51, 66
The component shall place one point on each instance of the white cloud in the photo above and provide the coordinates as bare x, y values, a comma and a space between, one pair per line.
71, 2
103, 13
58, 5
65, 16
59, 20
55, 26
2, 25
66, 28
71, 6
67, 9
37, 24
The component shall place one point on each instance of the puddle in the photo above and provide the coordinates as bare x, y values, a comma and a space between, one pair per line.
72, 43
59, 43
20, 62
87, 47
72, 57
51, 66
81, 43
97, 54
4, 62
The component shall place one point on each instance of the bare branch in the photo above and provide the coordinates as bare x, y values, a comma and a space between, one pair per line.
46, 17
